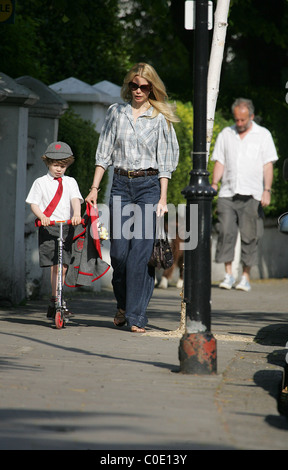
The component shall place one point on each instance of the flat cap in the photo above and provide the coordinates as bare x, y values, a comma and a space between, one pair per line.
58, 151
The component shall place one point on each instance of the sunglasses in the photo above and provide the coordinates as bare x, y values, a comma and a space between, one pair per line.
134, 86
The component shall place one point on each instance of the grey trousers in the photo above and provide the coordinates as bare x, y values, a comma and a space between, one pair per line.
234, 216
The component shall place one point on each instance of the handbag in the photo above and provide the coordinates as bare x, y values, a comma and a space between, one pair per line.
162, 256
283, 222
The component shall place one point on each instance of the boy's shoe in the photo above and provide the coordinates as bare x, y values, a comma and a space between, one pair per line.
244, 284
67, 313
51, 312
228, 282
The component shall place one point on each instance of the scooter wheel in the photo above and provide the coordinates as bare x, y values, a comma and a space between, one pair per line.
59, 320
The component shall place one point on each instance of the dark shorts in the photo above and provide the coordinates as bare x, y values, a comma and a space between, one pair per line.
48, 245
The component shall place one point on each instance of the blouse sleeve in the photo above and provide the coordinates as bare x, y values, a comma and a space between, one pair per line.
167, 150
107, 138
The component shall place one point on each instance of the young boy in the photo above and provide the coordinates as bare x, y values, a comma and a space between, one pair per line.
55, 197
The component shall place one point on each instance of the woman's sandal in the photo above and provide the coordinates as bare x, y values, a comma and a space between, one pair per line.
119, 319
137, 329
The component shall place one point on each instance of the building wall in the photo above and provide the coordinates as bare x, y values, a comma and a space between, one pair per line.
13, 139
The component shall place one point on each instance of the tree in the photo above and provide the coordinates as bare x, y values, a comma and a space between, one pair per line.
100, 40
83, 140
257, 40
184, 132
151, 36
215, 64
55, 39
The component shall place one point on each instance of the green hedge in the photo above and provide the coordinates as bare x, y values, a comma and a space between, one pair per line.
184, 131
83, 139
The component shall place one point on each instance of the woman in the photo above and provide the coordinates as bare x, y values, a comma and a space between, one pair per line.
139, 140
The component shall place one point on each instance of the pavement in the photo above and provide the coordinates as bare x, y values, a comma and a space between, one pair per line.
91, 386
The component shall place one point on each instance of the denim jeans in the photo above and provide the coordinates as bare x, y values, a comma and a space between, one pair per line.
133, 204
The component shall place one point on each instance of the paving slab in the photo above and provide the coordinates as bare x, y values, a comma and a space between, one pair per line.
91, 386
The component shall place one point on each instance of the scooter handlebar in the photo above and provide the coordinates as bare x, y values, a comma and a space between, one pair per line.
54, 222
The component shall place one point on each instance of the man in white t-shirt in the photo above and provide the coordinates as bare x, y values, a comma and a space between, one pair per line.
244, 155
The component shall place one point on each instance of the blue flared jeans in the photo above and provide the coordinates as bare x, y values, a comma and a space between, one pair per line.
132, 205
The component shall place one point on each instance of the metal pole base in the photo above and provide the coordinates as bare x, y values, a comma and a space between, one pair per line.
197, 353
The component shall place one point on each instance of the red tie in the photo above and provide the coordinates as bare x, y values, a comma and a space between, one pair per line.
51, 207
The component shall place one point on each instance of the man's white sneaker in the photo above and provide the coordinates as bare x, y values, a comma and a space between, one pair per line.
244, 284
228, 282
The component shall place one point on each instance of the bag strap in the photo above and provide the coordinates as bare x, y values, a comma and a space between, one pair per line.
160, 231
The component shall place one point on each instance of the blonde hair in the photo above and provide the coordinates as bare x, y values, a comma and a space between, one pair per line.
158, 97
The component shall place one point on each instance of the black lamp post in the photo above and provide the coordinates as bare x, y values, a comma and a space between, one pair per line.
197, 349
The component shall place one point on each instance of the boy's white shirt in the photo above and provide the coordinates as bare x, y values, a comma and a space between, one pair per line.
43, 190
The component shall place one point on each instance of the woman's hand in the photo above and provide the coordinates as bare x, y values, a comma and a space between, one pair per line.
92, 197
161, 208
162, 204
95, 188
